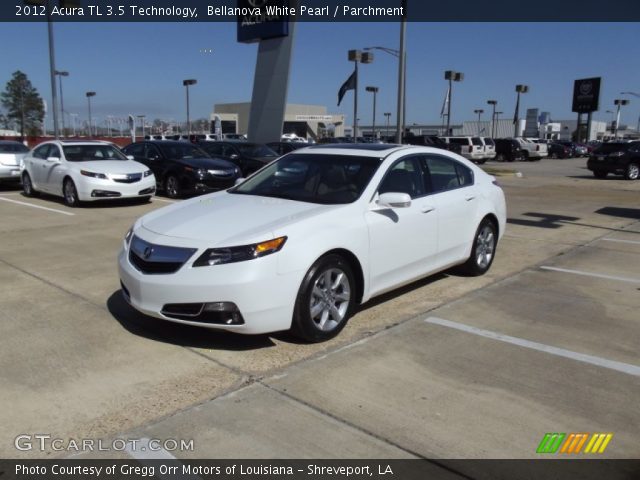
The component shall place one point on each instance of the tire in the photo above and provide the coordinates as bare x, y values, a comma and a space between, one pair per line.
632, 172
322, 311
500, 157
482, 162
172, 187
524, 156
599, 174
70, 193
27, 186
553, 156
483, 250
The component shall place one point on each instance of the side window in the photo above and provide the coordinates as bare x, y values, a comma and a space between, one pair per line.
405, 176
151, 152
54, 151
41, 152
447, 174
137, 150
214, 149
228, 150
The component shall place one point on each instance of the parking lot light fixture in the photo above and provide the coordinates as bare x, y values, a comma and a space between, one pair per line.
479, 112
187, 83
451, 76
357, 56
61, 74
373, 90
493, 103
388, 115
619, 103
519, 89
89, 95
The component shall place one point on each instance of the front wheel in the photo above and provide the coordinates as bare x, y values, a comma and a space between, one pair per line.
632, 172
70, 193
172, 187
27, 186
325, 301
483, 250
499, 157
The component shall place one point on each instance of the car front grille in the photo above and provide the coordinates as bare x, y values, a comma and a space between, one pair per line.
127, 178
153, 259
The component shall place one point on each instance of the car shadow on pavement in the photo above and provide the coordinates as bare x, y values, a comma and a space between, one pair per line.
398, 292
631, 213
178, 334
549, 220
95, 204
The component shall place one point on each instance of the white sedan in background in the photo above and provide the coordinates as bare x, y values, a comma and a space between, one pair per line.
81, 171
11, 155
310, 236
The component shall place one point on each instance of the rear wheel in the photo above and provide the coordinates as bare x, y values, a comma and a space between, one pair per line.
500, 157
325, 301
70, 193
632, 172
27, 186
599, 174
483, 250
524, 156
554, 155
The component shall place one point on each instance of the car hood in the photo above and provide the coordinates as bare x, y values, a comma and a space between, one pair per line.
226, 219
264, 160
110, 166
12, 158
207, 163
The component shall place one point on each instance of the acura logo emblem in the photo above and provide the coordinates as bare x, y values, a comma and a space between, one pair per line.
147, 253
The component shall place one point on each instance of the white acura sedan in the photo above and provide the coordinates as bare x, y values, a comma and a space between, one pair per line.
309, 237
81, 171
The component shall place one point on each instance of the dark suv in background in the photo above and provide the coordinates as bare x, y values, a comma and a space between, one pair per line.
616, 157
508, 150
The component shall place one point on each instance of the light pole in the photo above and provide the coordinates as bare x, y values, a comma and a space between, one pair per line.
373, 90
493, 103
619, 103
635, 95
519, 89
61, 74
142, 117
452, 76
478, 112
396, 53
388, 115
89, 95
357, 56
73, 117
187, 83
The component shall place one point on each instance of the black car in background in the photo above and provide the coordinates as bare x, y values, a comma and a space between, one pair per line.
559, 150
508, 150
181, 168
248, 156
619, 158
282, 148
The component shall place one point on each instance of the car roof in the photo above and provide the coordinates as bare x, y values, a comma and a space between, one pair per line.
364, 147
10, 142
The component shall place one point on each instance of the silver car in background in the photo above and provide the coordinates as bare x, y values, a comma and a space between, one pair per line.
11, 155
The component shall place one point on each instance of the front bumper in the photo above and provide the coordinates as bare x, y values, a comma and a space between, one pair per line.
264, 298
606, 164
99, 189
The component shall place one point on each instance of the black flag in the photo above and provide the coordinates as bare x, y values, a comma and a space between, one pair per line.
350, 84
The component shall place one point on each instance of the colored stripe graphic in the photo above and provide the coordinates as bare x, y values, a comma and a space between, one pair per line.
572, 443
551, 442
598, 443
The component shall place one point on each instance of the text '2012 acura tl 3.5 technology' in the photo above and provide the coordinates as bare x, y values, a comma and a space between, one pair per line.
80, 171
309, 237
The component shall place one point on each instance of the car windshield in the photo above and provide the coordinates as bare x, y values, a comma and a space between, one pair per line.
255, 150
314, 178
182, 150
13, 148
91, 153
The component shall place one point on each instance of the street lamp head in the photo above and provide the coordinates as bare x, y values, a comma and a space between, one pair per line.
189, 81
453, 75
90, 94
620, 102
479, 110
492, 102
367, 57
372, 89
61, 73
522, 88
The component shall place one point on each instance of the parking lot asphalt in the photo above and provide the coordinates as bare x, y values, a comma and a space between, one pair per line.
448, 367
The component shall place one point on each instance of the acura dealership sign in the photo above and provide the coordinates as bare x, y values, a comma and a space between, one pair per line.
262, 19
586, 95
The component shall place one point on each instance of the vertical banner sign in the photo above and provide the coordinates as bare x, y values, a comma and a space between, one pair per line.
586, 95
531, 125
262, 19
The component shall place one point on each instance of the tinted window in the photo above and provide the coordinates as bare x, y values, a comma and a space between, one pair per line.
137, 150
255, 150
54, 151
459, 141
313, 178
13, 148
612, 147
41, 151
404, 177
182, 150
476, 141
86, 153
447, 174
489, 141
151, 152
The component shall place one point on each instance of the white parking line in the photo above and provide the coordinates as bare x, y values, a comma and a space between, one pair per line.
591, 274
145, 454
541, 347
634, 242
36, 206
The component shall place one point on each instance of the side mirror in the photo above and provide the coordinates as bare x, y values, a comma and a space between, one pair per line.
130, 157
394, 200
53, 159
240, 180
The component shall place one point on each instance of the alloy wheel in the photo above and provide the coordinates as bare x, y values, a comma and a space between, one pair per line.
330, 298
485, 246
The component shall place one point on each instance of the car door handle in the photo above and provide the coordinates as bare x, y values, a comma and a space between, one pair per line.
427, 208
468, 198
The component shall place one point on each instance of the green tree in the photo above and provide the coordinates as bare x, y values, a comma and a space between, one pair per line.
23, 104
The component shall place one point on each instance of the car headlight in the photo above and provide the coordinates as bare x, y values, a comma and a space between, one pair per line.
147, 173
219, 256
86, 173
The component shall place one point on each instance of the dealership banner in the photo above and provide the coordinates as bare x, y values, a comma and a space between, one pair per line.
317, 11
425, 469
